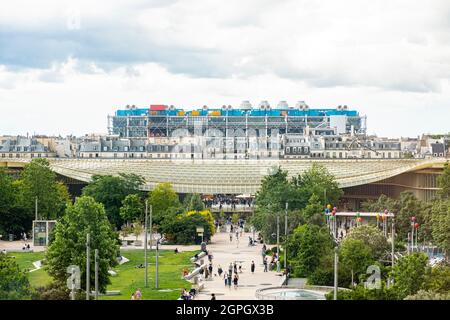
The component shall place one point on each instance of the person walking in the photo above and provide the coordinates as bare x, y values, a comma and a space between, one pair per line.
220, 271
231, 237
240, 268
225, 277
229, 280
210, 268
265, 264
230, 268
252, 267
235, 268
235, 281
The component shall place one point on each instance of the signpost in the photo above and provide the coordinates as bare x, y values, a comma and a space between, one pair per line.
200, 231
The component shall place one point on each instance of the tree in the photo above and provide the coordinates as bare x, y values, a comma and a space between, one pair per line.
38, 180
314, 211
404, 209
137, 229
441, 225
69, 242
193, 202
429, 295
11, 220
306, 246
355, 256
111, 191
372, 237
320, 182
438, 279
444, 182
275, 191
132, 208
409, 274
14, 283
162, 198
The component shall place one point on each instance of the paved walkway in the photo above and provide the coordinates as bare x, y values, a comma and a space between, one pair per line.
225, 252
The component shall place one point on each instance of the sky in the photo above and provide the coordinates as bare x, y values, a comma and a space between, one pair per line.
66, 65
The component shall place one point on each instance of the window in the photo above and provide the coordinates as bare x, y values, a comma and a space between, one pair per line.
39, 155
288, 149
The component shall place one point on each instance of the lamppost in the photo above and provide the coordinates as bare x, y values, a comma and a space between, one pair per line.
145, 245
393, 242
96, 273
158, 242
413, 221
88, 265
285, 236
278, 242
336, 261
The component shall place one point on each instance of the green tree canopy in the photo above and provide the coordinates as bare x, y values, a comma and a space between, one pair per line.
441, 225
444, 182
438, 279
38, 180
111, 191
372, 237
132, 208
355, 256
409, 274
320, 182
162, 198
69, 242
306, 246
275, 191
193, 202
14, 283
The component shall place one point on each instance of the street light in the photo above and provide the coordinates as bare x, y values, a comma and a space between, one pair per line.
285, 236
336, 261
145, 245
88, 264
158, 242
278, 242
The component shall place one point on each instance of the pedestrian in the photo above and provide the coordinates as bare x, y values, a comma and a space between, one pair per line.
231, 237
210, 268
235, 268
235, 281
230, 268
219, 270
265, 264
138, 294
240, 268
229, 280
225, 277
253, 267
213, 296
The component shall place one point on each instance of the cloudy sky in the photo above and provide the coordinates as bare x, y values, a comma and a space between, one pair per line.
65, 65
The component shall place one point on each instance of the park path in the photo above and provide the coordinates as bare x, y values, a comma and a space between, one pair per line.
225, 252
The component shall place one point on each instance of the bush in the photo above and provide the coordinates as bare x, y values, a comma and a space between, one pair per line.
51, 292
182, 229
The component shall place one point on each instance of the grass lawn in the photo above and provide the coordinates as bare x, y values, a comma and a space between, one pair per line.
25, 261
129, 278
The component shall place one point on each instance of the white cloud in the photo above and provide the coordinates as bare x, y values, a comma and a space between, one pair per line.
390, 60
